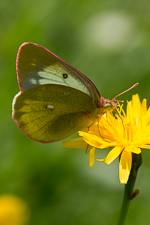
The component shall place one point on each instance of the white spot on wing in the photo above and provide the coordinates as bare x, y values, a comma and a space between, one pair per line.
33, 81
50, 106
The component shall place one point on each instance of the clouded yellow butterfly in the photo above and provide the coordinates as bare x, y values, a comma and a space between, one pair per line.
55, 99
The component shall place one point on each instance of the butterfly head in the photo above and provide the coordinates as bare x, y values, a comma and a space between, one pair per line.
107, 104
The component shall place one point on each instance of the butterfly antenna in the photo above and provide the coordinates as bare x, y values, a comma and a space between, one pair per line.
114, 99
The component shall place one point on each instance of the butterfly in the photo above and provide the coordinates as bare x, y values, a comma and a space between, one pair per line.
55, 99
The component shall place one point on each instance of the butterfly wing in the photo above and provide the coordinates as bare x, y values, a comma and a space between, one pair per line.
50, 112
36, 66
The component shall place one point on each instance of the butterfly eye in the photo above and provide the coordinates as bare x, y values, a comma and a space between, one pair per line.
65, 75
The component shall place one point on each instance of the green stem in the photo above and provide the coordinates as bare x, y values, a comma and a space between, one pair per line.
129, 194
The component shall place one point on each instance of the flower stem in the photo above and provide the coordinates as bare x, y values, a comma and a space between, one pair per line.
129, 194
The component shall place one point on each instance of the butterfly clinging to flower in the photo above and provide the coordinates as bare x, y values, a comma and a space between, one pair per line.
55, 99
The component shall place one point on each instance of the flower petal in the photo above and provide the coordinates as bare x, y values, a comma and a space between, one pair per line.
145, 146
96, 141
112, 155
91, 139
133, 149
144, 106
125, 166
75, 143
92, 156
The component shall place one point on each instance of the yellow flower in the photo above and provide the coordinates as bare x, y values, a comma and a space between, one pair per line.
126, 133
13, 210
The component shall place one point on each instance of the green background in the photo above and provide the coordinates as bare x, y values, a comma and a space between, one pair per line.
107, 40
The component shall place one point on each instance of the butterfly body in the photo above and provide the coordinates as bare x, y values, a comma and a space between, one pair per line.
55, 100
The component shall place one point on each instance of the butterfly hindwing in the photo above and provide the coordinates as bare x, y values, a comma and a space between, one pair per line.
48, 113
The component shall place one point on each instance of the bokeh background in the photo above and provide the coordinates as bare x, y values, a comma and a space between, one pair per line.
109, 41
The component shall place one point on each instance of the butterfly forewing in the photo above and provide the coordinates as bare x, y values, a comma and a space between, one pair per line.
37, 65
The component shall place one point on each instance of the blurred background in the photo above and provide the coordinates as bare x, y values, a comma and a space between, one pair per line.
109, 41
